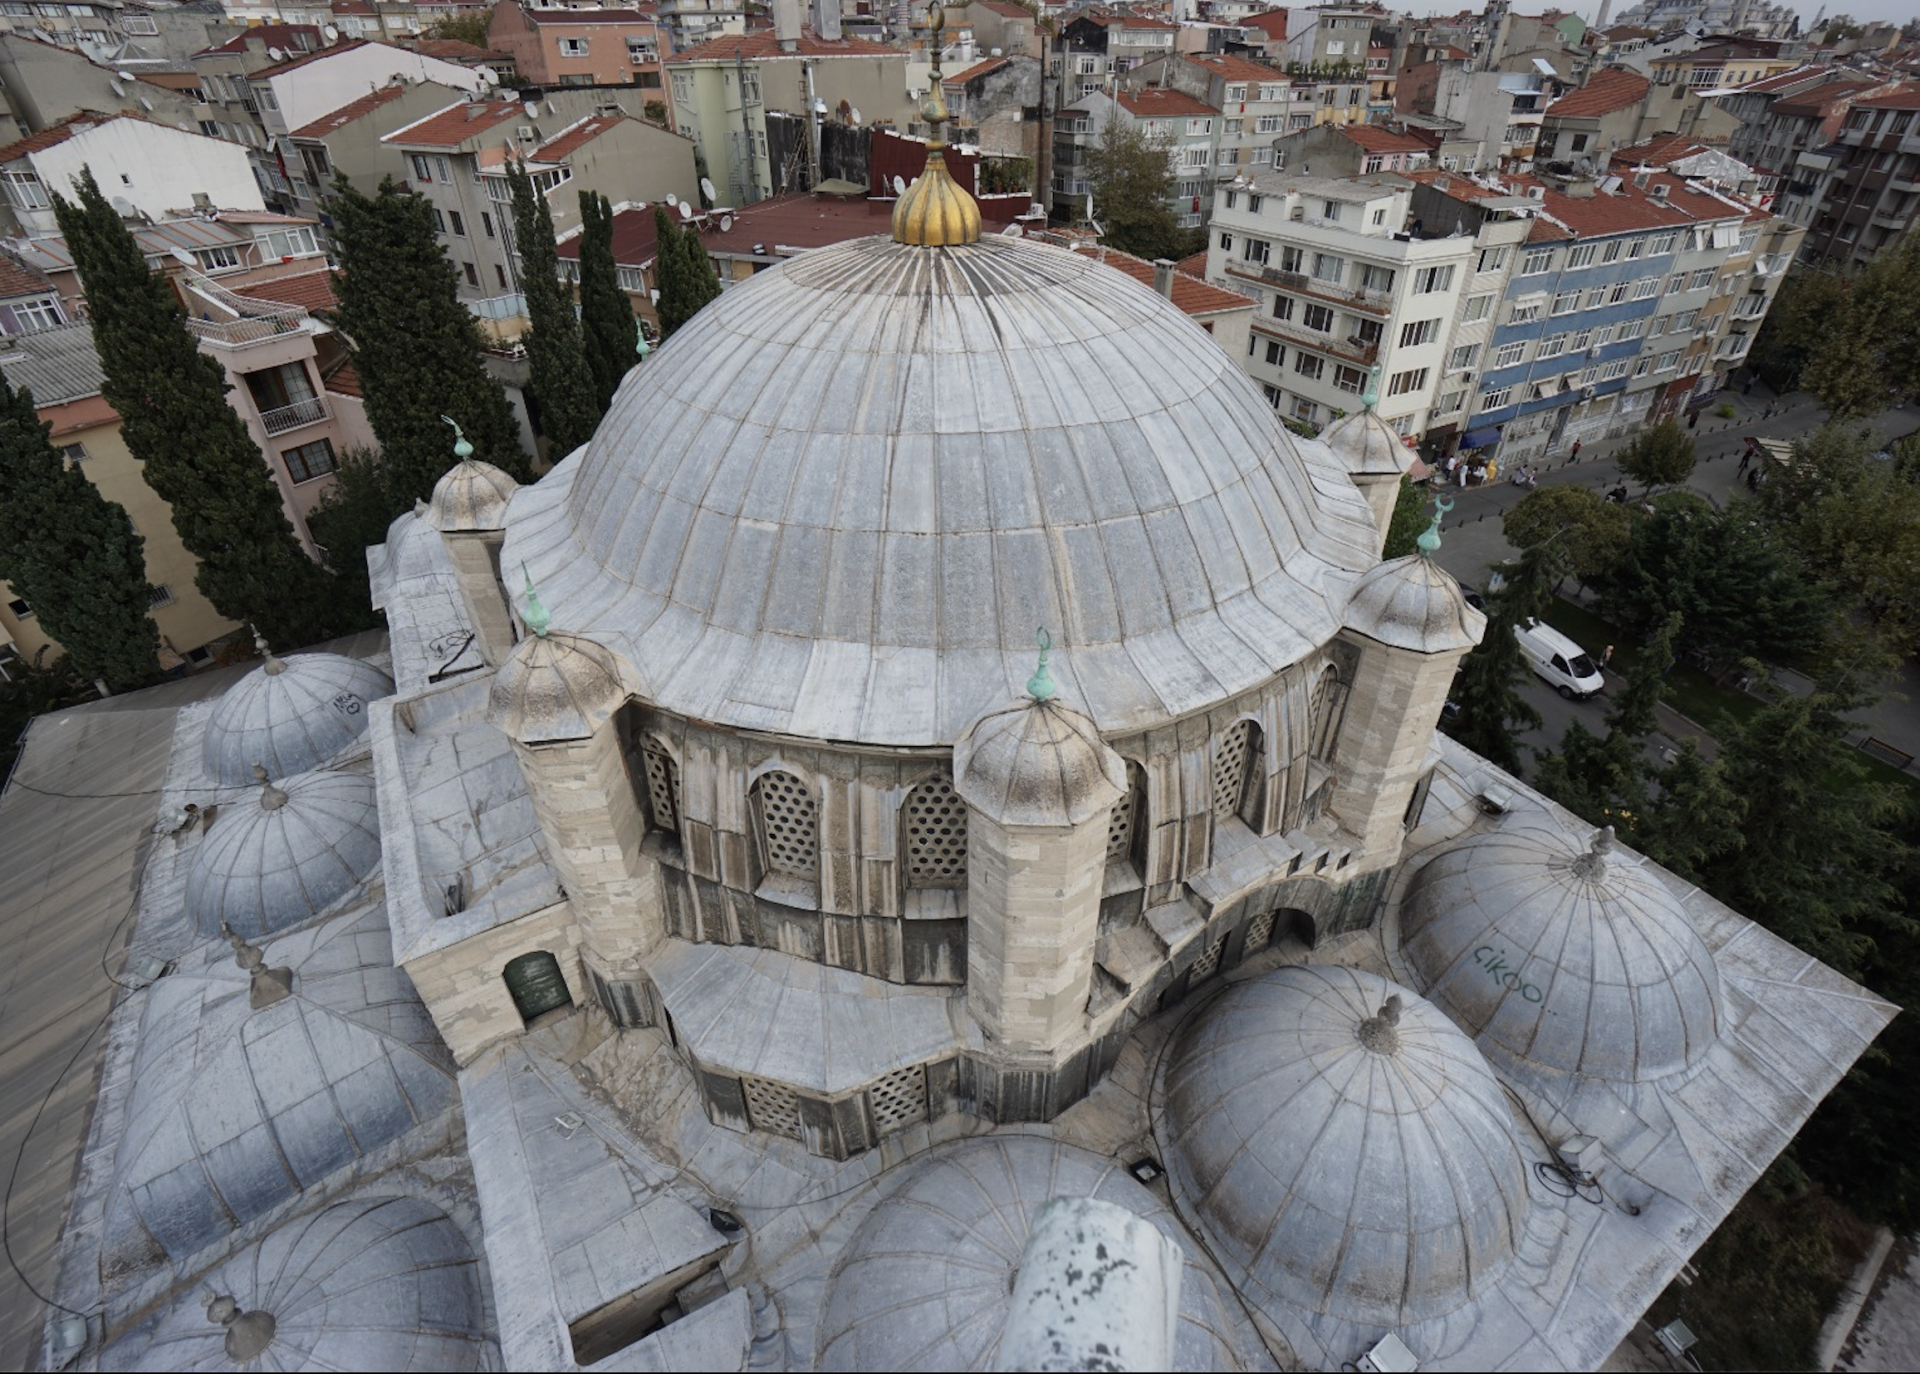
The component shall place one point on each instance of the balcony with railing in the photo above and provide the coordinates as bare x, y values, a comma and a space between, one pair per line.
310, 411
227, 320
1352, 297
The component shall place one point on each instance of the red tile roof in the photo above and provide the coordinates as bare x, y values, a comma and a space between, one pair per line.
1786, 81
1614, 88
1900, 98
571, 140
1234, 68
344, 381
310, 290
451, 127
346, 114
1377, 138
1821, 101
762, 44
1563, 216
961, 78
1273, 23
55, 133
16, 280
1191, 294
1662, 150
576, 18
453, 50
1194, 266
360, 7
1157, 102
267, 36
634, 238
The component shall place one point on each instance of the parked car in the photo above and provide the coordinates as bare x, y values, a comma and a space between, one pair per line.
1558, 660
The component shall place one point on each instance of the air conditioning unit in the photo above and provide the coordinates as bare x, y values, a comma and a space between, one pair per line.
526, 133
1586, 393
1594, 352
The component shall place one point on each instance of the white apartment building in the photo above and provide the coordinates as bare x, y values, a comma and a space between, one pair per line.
1343, 287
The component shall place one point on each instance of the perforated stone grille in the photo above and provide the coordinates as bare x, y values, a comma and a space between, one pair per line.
899, 1099
936, 835
1259, 931
663, 788
1329, 695
1230, 768
1120, 830
789, 824
772, 1107
1209, 961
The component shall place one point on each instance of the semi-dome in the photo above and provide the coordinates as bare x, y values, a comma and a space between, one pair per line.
1409, 603
554, 686
1367, 445
233, 1111
839, 501
1037, 763
1561, 955
924, 1282
1344, 1147
290, 715
285, 854
369, 1283
472, 496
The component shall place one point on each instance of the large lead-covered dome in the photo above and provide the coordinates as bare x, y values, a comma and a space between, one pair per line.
841, 500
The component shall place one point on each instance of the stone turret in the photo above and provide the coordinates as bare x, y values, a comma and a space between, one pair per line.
469, 508
1374, 456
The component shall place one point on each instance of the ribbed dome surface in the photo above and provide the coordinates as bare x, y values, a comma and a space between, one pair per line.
1037, 763
838, 503
263, 867
1375, 1188
290, 715
1555, 966
1366, 445
925, 1280
472, 496
554, 686
1409, 603
375, 1283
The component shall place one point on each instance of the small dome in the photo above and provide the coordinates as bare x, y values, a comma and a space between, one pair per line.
278, 858
555, 686
369, 1283
290, 715
1409, 603
1037, 763
233, 1111
472, 496
1343, 1162
1560, 958
924, 1283
1366, 445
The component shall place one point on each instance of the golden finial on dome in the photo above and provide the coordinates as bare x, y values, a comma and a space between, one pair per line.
936, 212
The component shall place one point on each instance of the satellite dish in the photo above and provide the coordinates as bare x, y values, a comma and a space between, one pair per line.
180, 254
124, 76
686, 213
331, 33
277, 54
854, 114
706, 189
899, 186
488, 77
672, 199
532, 108
726, 223
1012, 231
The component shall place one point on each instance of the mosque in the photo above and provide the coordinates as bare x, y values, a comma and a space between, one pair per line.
942, 745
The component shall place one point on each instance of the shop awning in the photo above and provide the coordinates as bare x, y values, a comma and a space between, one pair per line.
1481, 438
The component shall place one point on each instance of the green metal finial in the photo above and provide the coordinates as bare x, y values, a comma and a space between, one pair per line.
461, 448
535, 615
1372, 394
1429, 540
640, 340
1040, 686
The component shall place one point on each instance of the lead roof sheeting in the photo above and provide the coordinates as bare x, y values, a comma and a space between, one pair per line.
293, 720
938, 450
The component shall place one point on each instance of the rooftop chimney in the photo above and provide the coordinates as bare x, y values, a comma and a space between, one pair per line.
1163, 276
786, 24
826, 19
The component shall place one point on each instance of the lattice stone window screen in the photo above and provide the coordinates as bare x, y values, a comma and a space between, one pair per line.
1259, 932
1230, 767
899, 1100
789, 824
1209, 961
936, 826
1329, 694
663, 788
772, 1107
1120, 829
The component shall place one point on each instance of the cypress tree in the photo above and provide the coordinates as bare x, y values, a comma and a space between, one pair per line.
193, 448
671, 307
606, 315
417, 349
72, 553
561, 382
703, 283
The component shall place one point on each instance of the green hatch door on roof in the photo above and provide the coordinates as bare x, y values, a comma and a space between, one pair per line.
536, 985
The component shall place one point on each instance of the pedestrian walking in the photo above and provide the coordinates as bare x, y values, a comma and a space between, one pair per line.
1606, 656
1746, 456
1693, 419
1576, 451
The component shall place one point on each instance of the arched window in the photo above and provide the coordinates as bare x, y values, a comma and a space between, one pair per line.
1238, 771
663, 787
1127, 822
1329, 695
537, 986
789, 825
935, 833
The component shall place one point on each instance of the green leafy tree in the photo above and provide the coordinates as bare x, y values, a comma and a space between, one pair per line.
71, 553
1409, 518
1659, 457
1132, 179
1588, 534
1798, 326
606, 314
562, 386
417, 348
686, 275
354, 516
1603, 778
1741, 591
464, 28
193, 448
1693, 816
1865, 345
1486, 691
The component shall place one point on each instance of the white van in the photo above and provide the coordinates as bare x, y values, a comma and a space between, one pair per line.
1559, 660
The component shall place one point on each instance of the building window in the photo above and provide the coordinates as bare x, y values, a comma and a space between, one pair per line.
663, 787
1496, 397
486, 223
1275, 354
309, 460
789, 825
1283, 307
1350, 379
1317, 318
573, 47
1463, 357
1417, 332
1535, 261
1253, 250
1478, 308
1123, 822
422, 166
1308, 366
459, 225
1492, 259
26, 192
159, 596
76, 453
20, 608
500, 272
1376, 278
44, 313
936, 835
1237, 771
439, 220
473, 277
217, 259
294, 241
1565, 303
1402, 383
1552, 346
1508, 354
1327, 267
1428, 280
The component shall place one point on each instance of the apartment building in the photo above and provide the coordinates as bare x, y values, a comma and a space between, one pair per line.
43, 85
348, 141
1864, 188
457, 159
1255, 102
1344, 287
1354, 150
144, 168
1188, 127
1589, 123
686, 24
1093, 48
577, 46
